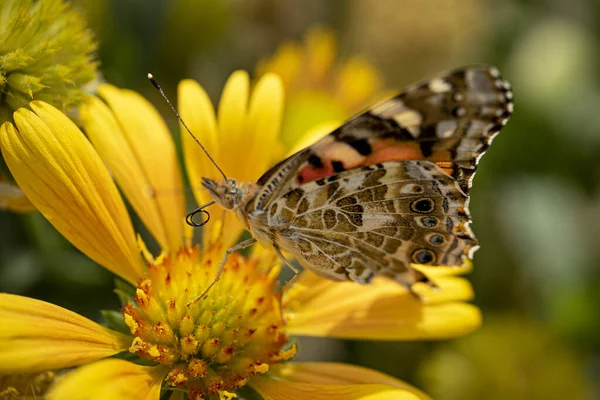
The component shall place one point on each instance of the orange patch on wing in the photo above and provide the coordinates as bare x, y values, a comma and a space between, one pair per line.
441, 156
308, 173
446, 166
382, 151
393, 151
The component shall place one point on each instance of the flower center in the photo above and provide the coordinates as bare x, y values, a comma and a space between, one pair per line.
214, 345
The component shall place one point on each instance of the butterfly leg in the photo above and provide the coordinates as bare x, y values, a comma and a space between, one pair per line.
290, 266
290, 281
232, 249
222, 230
421, 277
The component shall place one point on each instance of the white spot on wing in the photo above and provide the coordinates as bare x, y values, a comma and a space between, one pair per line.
344, 152
445, 129
409, 118
439, 86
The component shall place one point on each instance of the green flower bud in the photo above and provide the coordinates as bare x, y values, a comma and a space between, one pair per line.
46, 53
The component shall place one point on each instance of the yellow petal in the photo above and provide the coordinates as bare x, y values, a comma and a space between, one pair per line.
329, 373
37, 336
232, 117
307, 109
110, 379
263, 127
13, 199
313, 135
383, 310
249, 128
108, 139
357, 83
271, 389
321, 51
331, 381
285, 63
145, 144
198, 113
444, 270
63, 176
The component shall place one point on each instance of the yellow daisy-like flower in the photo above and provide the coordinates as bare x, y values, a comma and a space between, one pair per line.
231, 341
319, 87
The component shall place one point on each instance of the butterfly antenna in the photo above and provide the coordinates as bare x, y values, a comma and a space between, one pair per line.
157, 86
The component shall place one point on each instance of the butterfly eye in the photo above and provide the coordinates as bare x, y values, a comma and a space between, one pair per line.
423, 256
424, 205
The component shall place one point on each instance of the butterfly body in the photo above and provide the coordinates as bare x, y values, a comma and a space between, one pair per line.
387, 189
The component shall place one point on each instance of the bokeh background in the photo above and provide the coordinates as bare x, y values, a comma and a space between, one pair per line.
536, 198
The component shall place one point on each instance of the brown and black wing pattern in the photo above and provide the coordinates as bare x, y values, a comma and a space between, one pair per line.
375, 220
450, 120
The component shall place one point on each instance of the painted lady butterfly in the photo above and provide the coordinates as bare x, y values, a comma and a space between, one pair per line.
388, 188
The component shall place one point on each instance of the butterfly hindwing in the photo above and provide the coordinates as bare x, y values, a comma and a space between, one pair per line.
376, 220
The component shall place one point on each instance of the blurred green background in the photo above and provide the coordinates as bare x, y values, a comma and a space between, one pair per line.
535, 201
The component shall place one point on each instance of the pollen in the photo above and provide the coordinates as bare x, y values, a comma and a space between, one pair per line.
213, 345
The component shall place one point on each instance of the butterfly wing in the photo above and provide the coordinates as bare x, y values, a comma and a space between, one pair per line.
375, 220
450, 120
403, 168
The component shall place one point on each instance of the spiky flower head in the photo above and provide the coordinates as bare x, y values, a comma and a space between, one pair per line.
46, 53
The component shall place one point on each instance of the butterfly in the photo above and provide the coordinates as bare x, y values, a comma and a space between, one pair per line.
387, 189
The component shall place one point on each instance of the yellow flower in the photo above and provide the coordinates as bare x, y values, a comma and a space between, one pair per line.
232, 340
319, 89
46, 53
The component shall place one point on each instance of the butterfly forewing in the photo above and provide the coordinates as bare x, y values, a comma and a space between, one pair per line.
450, 120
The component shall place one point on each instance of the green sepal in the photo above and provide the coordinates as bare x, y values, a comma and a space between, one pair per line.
115, 321
247, 393
133, 358
124, 291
